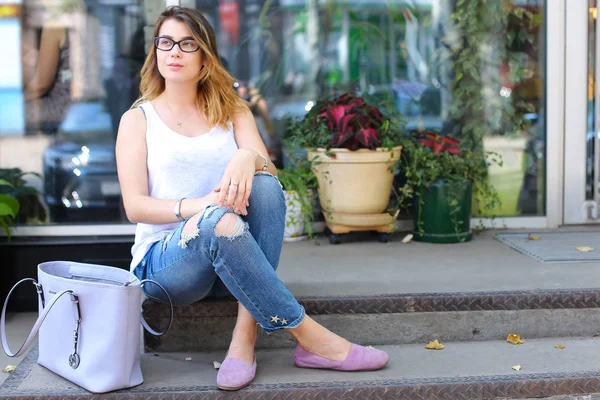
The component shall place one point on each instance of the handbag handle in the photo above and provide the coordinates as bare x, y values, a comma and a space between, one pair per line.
46, 310
38, 323
143, 321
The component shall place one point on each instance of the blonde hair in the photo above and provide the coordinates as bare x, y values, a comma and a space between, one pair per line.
216, 100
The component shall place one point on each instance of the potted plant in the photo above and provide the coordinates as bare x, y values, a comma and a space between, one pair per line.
353, 148
18, 203
442, 179
9, 207
298, 188
31, 209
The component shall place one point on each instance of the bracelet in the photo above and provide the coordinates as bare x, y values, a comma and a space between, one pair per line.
177, 209
264, 168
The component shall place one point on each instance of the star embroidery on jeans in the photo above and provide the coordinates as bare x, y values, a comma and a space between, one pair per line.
275, 319
283, 322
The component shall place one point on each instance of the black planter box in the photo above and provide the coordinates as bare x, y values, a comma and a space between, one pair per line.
20, 257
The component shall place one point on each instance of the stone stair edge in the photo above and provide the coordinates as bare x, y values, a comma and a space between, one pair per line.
402, 303
468, 386
540, 385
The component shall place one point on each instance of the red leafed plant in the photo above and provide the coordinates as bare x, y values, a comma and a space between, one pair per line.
347, 121
354, 123
438, 143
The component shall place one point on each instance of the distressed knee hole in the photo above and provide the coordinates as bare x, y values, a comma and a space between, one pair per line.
190, 231
230, 225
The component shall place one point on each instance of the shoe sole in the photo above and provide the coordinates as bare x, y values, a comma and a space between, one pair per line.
345, 370
233, 388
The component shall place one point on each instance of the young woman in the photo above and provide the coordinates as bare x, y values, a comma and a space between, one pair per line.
209, 211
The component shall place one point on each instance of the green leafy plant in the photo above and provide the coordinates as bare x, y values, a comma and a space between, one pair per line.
14, 188
428, 157
485, 50
9, 208
301, 181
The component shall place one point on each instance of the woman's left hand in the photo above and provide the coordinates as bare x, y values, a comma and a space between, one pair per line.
236, 185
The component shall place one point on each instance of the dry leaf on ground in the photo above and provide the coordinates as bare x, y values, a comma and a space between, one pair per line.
585, 249
516, 367
216, 364
8, 369
560, 346
407, 238
514, 339
435, 345
533, 237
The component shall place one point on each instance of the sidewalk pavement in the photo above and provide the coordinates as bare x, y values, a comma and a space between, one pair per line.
18, 327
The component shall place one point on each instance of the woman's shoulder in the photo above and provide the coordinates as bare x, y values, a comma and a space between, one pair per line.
134, 118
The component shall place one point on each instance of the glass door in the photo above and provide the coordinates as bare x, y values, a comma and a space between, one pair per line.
582, 124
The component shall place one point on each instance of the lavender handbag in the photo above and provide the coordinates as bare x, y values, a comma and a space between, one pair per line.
88, 324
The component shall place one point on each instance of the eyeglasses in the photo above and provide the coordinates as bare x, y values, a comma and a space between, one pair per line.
166, 44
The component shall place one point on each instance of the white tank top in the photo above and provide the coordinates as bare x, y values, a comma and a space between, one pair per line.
179, 166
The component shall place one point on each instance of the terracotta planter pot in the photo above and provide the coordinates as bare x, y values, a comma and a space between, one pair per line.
354, 182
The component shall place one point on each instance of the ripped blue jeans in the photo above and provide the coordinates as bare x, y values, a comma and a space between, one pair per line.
229, 254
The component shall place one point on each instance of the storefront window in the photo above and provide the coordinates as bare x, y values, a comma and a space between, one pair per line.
78, 71
59, 121
294, 52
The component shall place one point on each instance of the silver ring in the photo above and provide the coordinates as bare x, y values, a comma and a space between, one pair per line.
233, 184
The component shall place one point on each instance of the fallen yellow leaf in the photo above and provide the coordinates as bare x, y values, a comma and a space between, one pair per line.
514, 339
216, 364
585, 249
435, 345
532, 237
559, 346
516, 367
8, 369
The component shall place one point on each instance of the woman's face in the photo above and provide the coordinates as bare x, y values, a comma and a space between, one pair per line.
175, 65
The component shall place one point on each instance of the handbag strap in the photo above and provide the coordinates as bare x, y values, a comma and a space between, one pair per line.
143, 321
46, 310
38, 323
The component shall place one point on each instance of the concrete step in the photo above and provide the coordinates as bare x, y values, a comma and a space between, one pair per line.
462, 370
395, 319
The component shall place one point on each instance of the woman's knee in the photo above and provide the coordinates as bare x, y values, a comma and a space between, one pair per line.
190, 230
266, 188
227, 224
230, 225
191, 224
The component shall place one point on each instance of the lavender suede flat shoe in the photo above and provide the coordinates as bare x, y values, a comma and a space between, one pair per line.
359, 359
234, 374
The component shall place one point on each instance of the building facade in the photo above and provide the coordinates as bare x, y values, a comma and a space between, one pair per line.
537, 80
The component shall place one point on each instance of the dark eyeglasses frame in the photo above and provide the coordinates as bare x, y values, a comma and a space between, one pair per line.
156, 39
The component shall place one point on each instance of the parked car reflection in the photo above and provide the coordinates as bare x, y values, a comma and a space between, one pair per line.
80, 173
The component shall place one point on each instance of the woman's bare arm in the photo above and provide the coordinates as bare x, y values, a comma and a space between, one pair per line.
247, 137
132, 169
45, 70
263, 108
